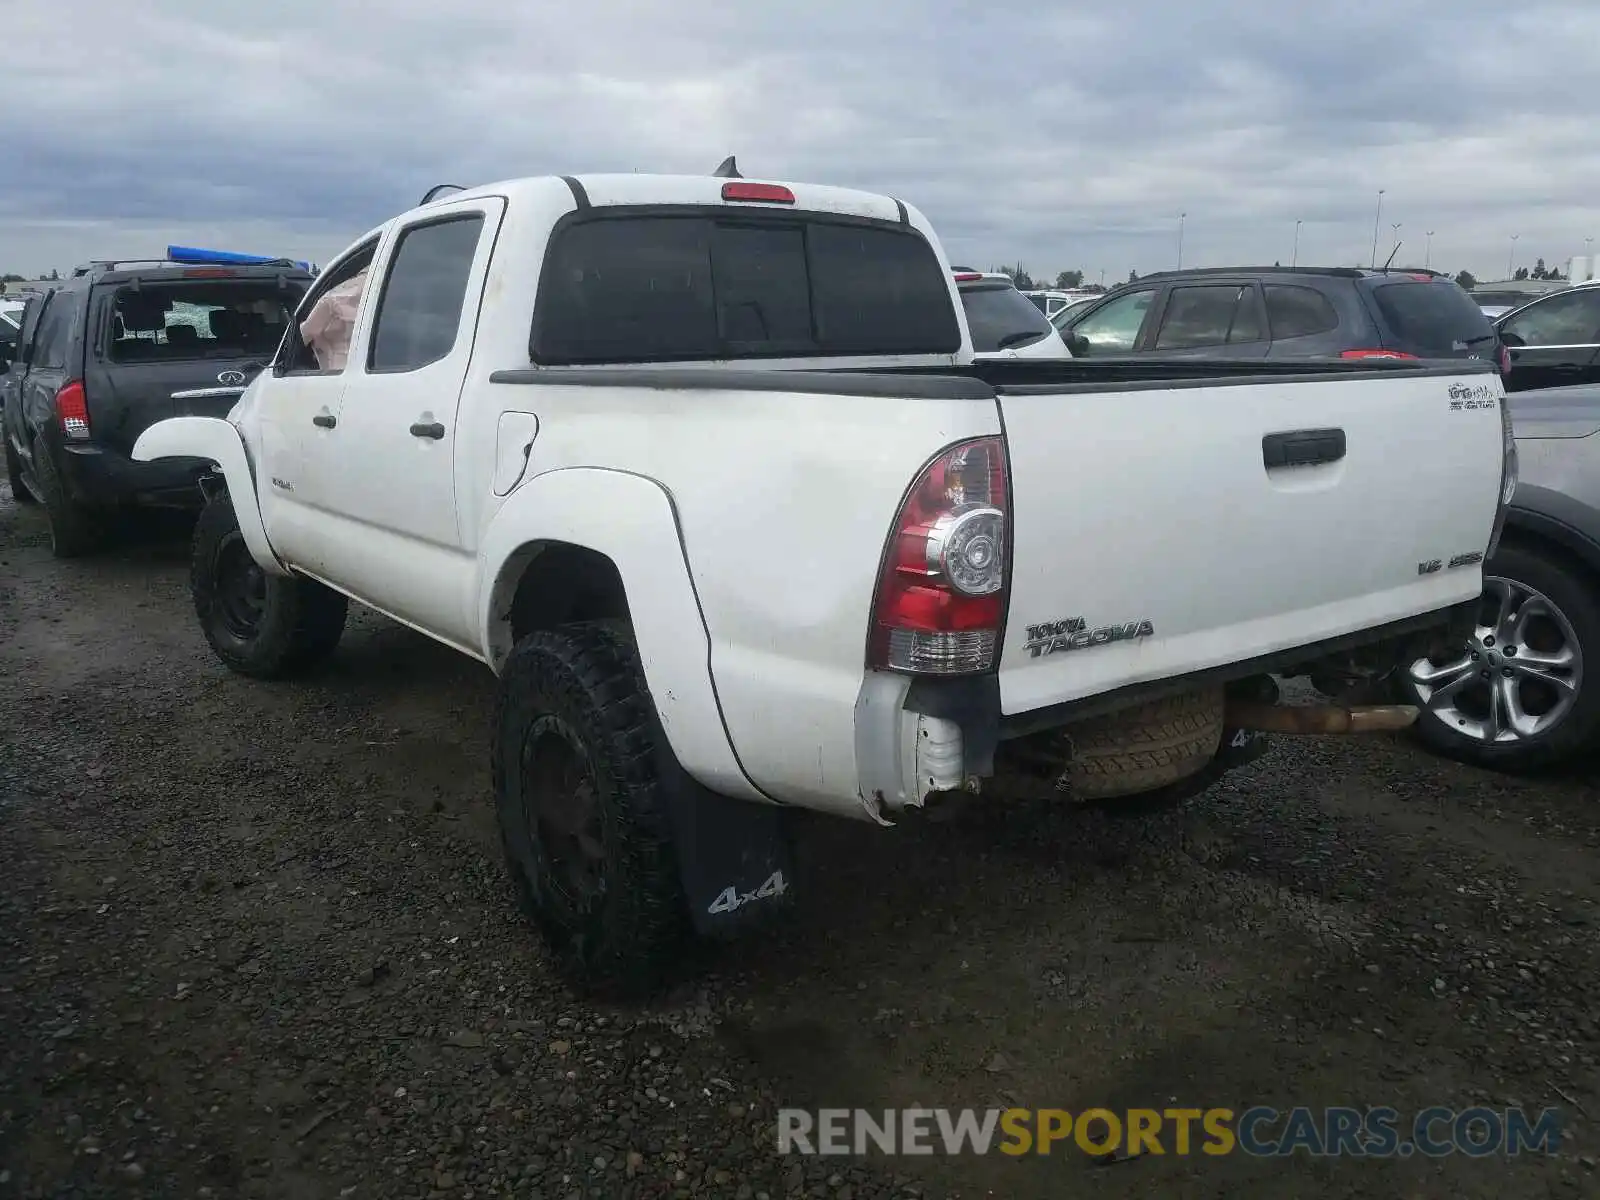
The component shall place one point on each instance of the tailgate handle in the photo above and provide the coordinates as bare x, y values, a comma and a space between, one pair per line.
324, 420
1302, 447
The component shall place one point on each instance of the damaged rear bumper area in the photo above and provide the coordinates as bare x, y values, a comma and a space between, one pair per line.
922, 744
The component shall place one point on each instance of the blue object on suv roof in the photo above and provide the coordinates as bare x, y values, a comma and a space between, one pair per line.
191, 255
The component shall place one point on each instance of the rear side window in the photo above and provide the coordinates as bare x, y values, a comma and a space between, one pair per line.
685, 288
419, 311
1001, 318
181, 321
54, 332
1431, 318
1209, 315
1298, 311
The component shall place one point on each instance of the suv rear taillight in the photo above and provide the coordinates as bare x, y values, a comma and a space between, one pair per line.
1376, 354
941, 600
1505, 361
72, 409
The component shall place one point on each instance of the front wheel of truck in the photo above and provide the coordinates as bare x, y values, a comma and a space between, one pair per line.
583, 809
261, 625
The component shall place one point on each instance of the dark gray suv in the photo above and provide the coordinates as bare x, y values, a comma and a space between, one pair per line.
1287, 312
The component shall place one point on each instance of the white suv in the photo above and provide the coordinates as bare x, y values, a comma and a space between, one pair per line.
1003, 322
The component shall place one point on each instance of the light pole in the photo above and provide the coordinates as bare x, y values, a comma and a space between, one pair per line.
1102, 279
1294, 259
1376, 217
1427, 257
1511, 259
1181, 217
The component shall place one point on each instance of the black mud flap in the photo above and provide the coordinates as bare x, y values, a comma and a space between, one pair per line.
733, 859
1240, 746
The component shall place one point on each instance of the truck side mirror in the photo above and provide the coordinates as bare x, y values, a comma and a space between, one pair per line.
1078, 344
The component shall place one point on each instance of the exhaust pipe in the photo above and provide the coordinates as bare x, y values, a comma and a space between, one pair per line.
1319, 718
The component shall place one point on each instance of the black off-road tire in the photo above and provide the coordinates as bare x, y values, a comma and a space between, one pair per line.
19, 489
1145, 748
576, 695
74, 529
300, 620
1577, 595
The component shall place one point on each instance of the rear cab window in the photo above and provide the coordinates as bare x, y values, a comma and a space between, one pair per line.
1001, 318
181, 320
688, 286
1431, 318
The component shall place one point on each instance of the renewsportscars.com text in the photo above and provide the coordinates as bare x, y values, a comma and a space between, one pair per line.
1260, 1132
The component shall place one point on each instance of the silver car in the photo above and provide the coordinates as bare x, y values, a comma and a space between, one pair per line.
1525, 691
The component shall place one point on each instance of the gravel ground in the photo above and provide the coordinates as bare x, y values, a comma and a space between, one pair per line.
256, 942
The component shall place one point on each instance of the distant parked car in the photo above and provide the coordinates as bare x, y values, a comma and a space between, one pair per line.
1051, 301
115, 347
1003, 322
1287, 312
10, 328
1524, 692
1497, 304
1064, 315
1554, 340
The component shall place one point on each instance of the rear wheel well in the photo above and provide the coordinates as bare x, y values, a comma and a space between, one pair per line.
1584, 565
549, 584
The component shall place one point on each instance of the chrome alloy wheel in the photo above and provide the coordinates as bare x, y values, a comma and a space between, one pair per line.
1519, 677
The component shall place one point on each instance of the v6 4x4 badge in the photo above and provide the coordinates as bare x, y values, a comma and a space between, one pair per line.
1073, 633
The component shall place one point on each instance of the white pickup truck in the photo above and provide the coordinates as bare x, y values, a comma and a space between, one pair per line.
703, 469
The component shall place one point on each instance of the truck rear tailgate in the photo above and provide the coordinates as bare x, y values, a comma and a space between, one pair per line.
1151, 537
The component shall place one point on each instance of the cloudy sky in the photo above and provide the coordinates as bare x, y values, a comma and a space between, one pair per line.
1054, 134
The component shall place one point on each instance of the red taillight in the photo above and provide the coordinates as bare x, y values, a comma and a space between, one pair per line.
72, 408
1505, 361
209, 273
1376, 354
968, 276
941, 598
762, 193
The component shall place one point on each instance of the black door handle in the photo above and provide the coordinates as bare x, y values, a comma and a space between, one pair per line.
324, 420
427, 429
1302, 447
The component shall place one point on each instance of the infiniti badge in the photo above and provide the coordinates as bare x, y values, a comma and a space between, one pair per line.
231, 377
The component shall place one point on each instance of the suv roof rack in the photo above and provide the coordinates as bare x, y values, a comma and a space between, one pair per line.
188, 256
1336, 272
1339, 272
